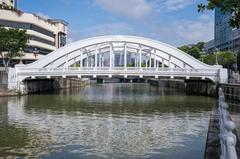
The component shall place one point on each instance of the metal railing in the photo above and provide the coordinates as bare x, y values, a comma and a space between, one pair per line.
227, 139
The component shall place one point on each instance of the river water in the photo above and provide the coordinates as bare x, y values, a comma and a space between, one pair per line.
105, 121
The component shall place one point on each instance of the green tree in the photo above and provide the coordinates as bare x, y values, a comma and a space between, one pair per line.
224, 58
184, 48
226, 6
11, 42
194, 50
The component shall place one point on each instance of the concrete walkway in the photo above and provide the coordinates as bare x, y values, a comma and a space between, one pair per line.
236, 119
213, 149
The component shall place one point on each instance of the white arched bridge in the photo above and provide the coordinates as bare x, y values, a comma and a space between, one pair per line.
116, 56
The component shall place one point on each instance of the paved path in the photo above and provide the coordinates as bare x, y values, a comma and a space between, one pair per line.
236, 120
212, 150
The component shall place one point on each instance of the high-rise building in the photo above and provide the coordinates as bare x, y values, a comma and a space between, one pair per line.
46, 35
223, 31
225, 37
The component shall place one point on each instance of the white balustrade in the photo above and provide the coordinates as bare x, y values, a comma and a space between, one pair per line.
227, 139
144, 71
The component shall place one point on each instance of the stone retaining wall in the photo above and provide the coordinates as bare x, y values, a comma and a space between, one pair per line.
44, 85
201, 87
231, 91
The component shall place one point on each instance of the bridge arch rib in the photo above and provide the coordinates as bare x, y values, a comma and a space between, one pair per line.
88, 48
97, 57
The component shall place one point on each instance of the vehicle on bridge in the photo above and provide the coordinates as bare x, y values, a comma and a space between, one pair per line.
116, 56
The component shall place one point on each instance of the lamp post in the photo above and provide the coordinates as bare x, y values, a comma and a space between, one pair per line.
35, 52
203, 53
216, 57
20, 55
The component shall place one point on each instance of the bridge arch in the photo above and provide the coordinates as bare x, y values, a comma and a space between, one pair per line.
117, 55
102, 51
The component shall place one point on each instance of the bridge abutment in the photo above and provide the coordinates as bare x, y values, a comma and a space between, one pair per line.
201, 87
30, 86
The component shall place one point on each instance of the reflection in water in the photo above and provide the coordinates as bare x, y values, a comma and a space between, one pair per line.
106, 121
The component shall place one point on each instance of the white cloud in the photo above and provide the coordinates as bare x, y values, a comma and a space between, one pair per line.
141, 8
108, 29
43, 15
130, 8
99, 30
173, 5
187, 31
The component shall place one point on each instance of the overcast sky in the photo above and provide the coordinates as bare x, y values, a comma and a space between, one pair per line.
175, 22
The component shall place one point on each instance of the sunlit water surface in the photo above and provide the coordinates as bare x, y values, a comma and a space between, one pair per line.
105, 121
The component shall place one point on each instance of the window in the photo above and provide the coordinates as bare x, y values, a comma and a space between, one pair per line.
21, 25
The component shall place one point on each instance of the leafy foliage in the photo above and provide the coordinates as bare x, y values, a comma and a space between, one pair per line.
225, 58
11, 41
194, 50
226, 6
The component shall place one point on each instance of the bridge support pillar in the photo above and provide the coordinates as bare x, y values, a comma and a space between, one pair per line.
100, 80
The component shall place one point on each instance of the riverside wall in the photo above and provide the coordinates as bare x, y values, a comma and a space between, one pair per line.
231, 91
191, 87
40, 85
44, 85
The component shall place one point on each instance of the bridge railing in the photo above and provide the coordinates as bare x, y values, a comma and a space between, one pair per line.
227, 139
21, 69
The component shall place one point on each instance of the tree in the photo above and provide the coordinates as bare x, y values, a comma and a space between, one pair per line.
225, 58
194, 50
226, 6
184, 48
11, 42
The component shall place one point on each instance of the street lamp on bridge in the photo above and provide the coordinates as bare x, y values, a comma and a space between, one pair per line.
216, 57
35, 52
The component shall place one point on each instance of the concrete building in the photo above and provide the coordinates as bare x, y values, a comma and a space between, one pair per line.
223, 31
225, 37
209, 46
11, 4
236, 40
46, 35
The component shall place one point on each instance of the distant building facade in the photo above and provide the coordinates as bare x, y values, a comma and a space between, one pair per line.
223, 31
209, 46
46, 35
225, 37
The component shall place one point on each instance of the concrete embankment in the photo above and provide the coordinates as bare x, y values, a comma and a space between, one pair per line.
4, 85
231, 91
213, 148
193, 87
41, 85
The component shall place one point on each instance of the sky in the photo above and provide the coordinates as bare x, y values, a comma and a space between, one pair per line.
175, 22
